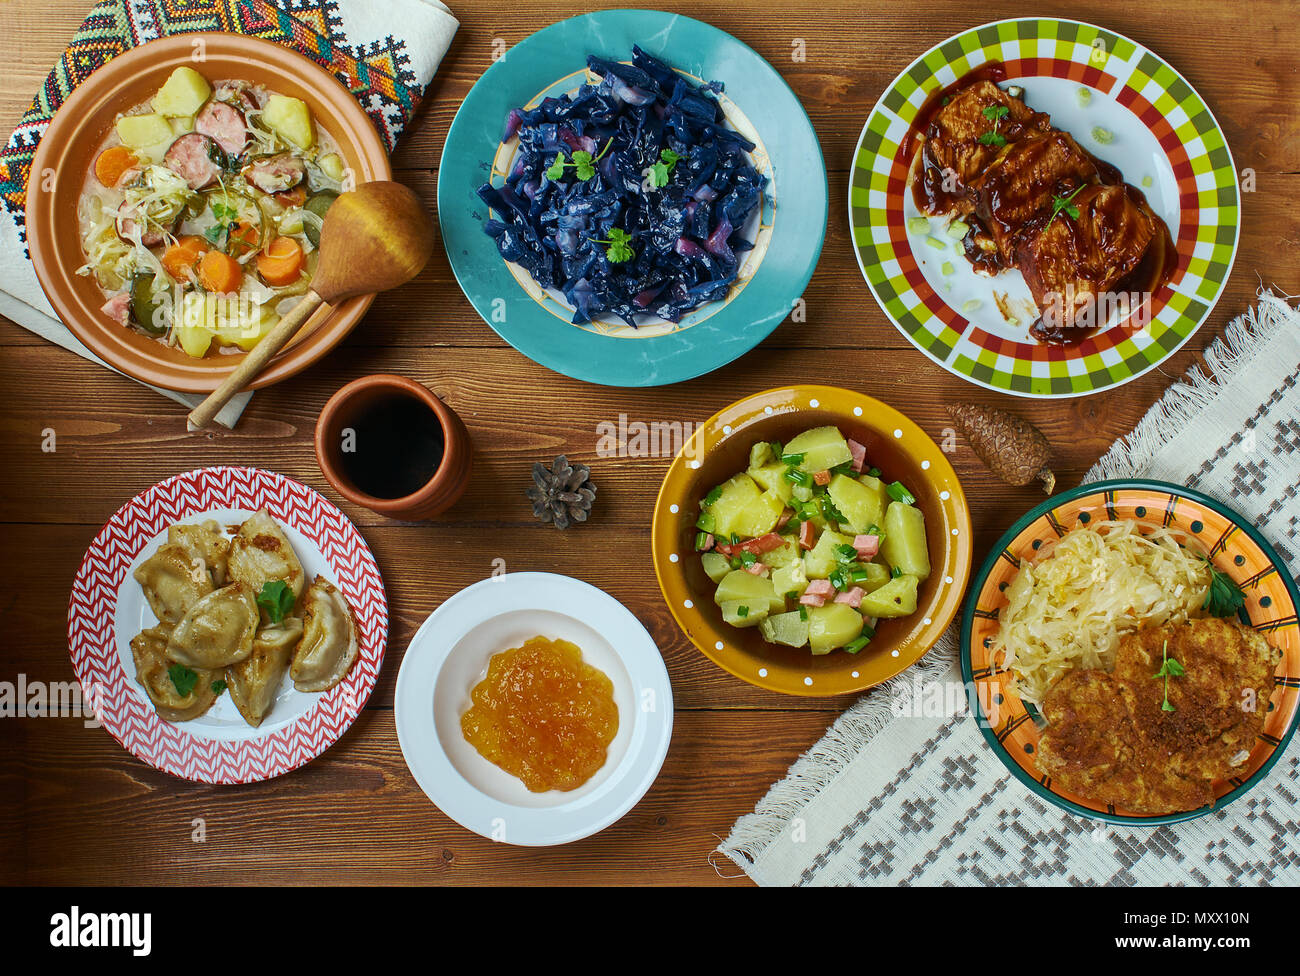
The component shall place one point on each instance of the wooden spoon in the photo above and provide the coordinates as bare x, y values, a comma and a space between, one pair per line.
374, 238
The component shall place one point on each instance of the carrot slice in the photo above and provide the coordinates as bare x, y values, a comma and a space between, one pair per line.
179, 259
281, 262
244, 237
112, 163
220, 273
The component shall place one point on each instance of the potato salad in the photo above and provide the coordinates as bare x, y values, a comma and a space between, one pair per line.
201, 215
811, 545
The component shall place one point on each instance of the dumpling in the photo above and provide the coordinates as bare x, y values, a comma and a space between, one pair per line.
255, 681
153, 671
173, 580
329, 639
218, 630
261, 552
204, 541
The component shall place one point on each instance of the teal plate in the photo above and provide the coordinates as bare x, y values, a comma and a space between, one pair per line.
788, 236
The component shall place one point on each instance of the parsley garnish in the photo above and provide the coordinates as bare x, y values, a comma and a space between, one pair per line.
1170, 668
218, 686
183, 678
661, 170
995, 114
582, 162
1224, 598
276, 599
1060, 204
620, 245
227, 219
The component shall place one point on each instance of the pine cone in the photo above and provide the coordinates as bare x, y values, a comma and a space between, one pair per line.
1010, 446
562, 492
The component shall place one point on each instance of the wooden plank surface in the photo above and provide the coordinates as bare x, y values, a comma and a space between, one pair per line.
79, 809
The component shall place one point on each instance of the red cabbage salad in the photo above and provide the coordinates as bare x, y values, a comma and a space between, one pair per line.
627, 196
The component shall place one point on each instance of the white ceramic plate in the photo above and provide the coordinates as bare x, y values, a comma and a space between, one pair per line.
107, 608
449, 655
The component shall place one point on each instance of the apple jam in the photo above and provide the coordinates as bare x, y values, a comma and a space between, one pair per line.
543, 715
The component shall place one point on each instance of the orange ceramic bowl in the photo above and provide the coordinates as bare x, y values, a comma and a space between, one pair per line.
720, 447
67, 153
1236, 548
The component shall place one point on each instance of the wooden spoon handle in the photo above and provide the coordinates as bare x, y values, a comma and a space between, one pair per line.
255, 360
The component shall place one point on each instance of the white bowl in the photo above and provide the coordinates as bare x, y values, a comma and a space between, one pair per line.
449, 655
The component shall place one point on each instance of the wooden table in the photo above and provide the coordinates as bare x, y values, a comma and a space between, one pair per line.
79, 809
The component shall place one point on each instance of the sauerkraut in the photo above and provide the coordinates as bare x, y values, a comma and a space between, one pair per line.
1070, 607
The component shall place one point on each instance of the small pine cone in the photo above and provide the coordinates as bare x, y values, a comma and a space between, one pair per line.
562, 493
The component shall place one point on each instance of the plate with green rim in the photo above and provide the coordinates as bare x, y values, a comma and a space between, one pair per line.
1121, 102
1236, 547
788, 235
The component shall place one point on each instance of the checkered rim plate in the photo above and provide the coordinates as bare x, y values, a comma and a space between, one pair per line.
1139, 80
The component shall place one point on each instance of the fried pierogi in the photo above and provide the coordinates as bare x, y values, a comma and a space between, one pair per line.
173, 580
205, 541
261, 553
255, 681
218, 630
153, 671
329, 639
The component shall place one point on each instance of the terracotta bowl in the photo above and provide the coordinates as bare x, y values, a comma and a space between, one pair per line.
344, 409
720, 447
67, 152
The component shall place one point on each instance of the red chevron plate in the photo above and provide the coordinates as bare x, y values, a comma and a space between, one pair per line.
107, 608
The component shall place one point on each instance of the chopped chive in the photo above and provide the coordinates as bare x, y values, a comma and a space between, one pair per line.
792, 460
798, 477
874, 472
706, 522
742, 611
803, 613
899, 493
895, 573
859, 575
701, 540
747, 559
857, 644
711, 497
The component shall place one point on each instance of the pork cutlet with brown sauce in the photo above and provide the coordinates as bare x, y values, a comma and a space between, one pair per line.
1110, 739
952, 156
